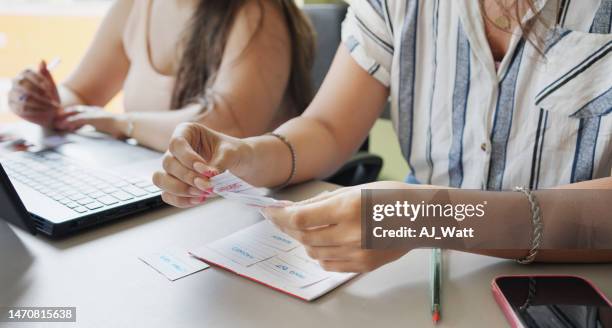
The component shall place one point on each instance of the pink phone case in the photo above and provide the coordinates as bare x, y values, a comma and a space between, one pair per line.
503, 303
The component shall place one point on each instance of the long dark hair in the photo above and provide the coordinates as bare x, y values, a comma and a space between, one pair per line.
204, 45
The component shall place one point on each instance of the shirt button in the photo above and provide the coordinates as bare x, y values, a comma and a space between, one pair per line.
483, 146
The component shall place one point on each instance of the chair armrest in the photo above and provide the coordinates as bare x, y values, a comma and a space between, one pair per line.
363, 167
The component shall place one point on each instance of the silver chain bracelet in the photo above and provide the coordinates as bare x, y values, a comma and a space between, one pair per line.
531, 294
538, 226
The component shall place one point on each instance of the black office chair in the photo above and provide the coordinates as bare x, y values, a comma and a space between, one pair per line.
327, 19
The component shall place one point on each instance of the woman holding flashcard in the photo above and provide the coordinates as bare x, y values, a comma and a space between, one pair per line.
487, 95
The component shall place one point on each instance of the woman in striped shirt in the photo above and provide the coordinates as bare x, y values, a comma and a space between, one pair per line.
485, 94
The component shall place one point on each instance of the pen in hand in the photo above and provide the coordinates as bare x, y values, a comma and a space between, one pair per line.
54, 63
45, 70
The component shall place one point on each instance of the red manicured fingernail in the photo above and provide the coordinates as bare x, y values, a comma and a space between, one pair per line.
209, 174
209, 190
203, 198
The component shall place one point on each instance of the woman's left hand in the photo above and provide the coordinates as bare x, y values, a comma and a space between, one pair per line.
329, 226
75, 117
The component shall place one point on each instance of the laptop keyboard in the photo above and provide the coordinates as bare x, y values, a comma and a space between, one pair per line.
72, 185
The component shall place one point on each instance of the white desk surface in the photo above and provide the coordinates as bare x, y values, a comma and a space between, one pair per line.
98, 272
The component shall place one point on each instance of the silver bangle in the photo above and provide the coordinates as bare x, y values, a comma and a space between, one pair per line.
130, 128
292, 151
538, 226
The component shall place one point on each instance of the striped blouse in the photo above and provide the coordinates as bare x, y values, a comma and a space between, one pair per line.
537, 121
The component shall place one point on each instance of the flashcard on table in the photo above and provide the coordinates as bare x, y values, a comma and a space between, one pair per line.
229, 186
292, 274
242, 249
267, 234
294, 258
264, 254
174, 263
300, 252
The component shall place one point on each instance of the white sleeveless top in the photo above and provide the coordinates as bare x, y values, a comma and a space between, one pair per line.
144, 89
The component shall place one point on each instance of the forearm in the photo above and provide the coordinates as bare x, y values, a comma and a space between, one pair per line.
154, 130
323, 137
577, 224
227, 115
316, 151
68, 97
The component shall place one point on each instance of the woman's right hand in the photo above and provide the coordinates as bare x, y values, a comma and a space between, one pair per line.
195, 154
34, 96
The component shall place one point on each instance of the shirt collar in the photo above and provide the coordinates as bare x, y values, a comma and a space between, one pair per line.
473, 24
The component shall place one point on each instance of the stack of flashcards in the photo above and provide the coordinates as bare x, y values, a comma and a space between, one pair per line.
229, 186
265, 255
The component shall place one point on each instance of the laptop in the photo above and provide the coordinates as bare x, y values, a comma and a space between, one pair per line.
83, 183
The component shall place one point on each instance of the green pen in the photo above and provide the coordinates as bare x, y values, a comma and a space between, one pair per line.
435, 277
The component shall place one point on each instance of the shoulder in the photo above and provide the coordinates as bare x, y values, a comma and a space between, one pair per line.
121, 9
262, 15
383, 15
124, 16
119, 13
262, 12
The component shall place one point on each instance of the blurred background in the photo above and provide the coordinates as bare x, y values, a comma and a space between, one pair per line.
31, 30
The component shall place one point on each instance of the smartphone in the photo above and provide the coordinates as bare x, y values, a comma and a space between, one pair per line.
552, 301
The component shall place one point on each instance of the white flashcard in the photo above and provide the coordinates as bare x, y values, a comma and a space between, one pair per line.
311, 266
251, 200
300, 253
228, 182
229, 186
242, 250
266, 233
54, 141
174, 263
290, 273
